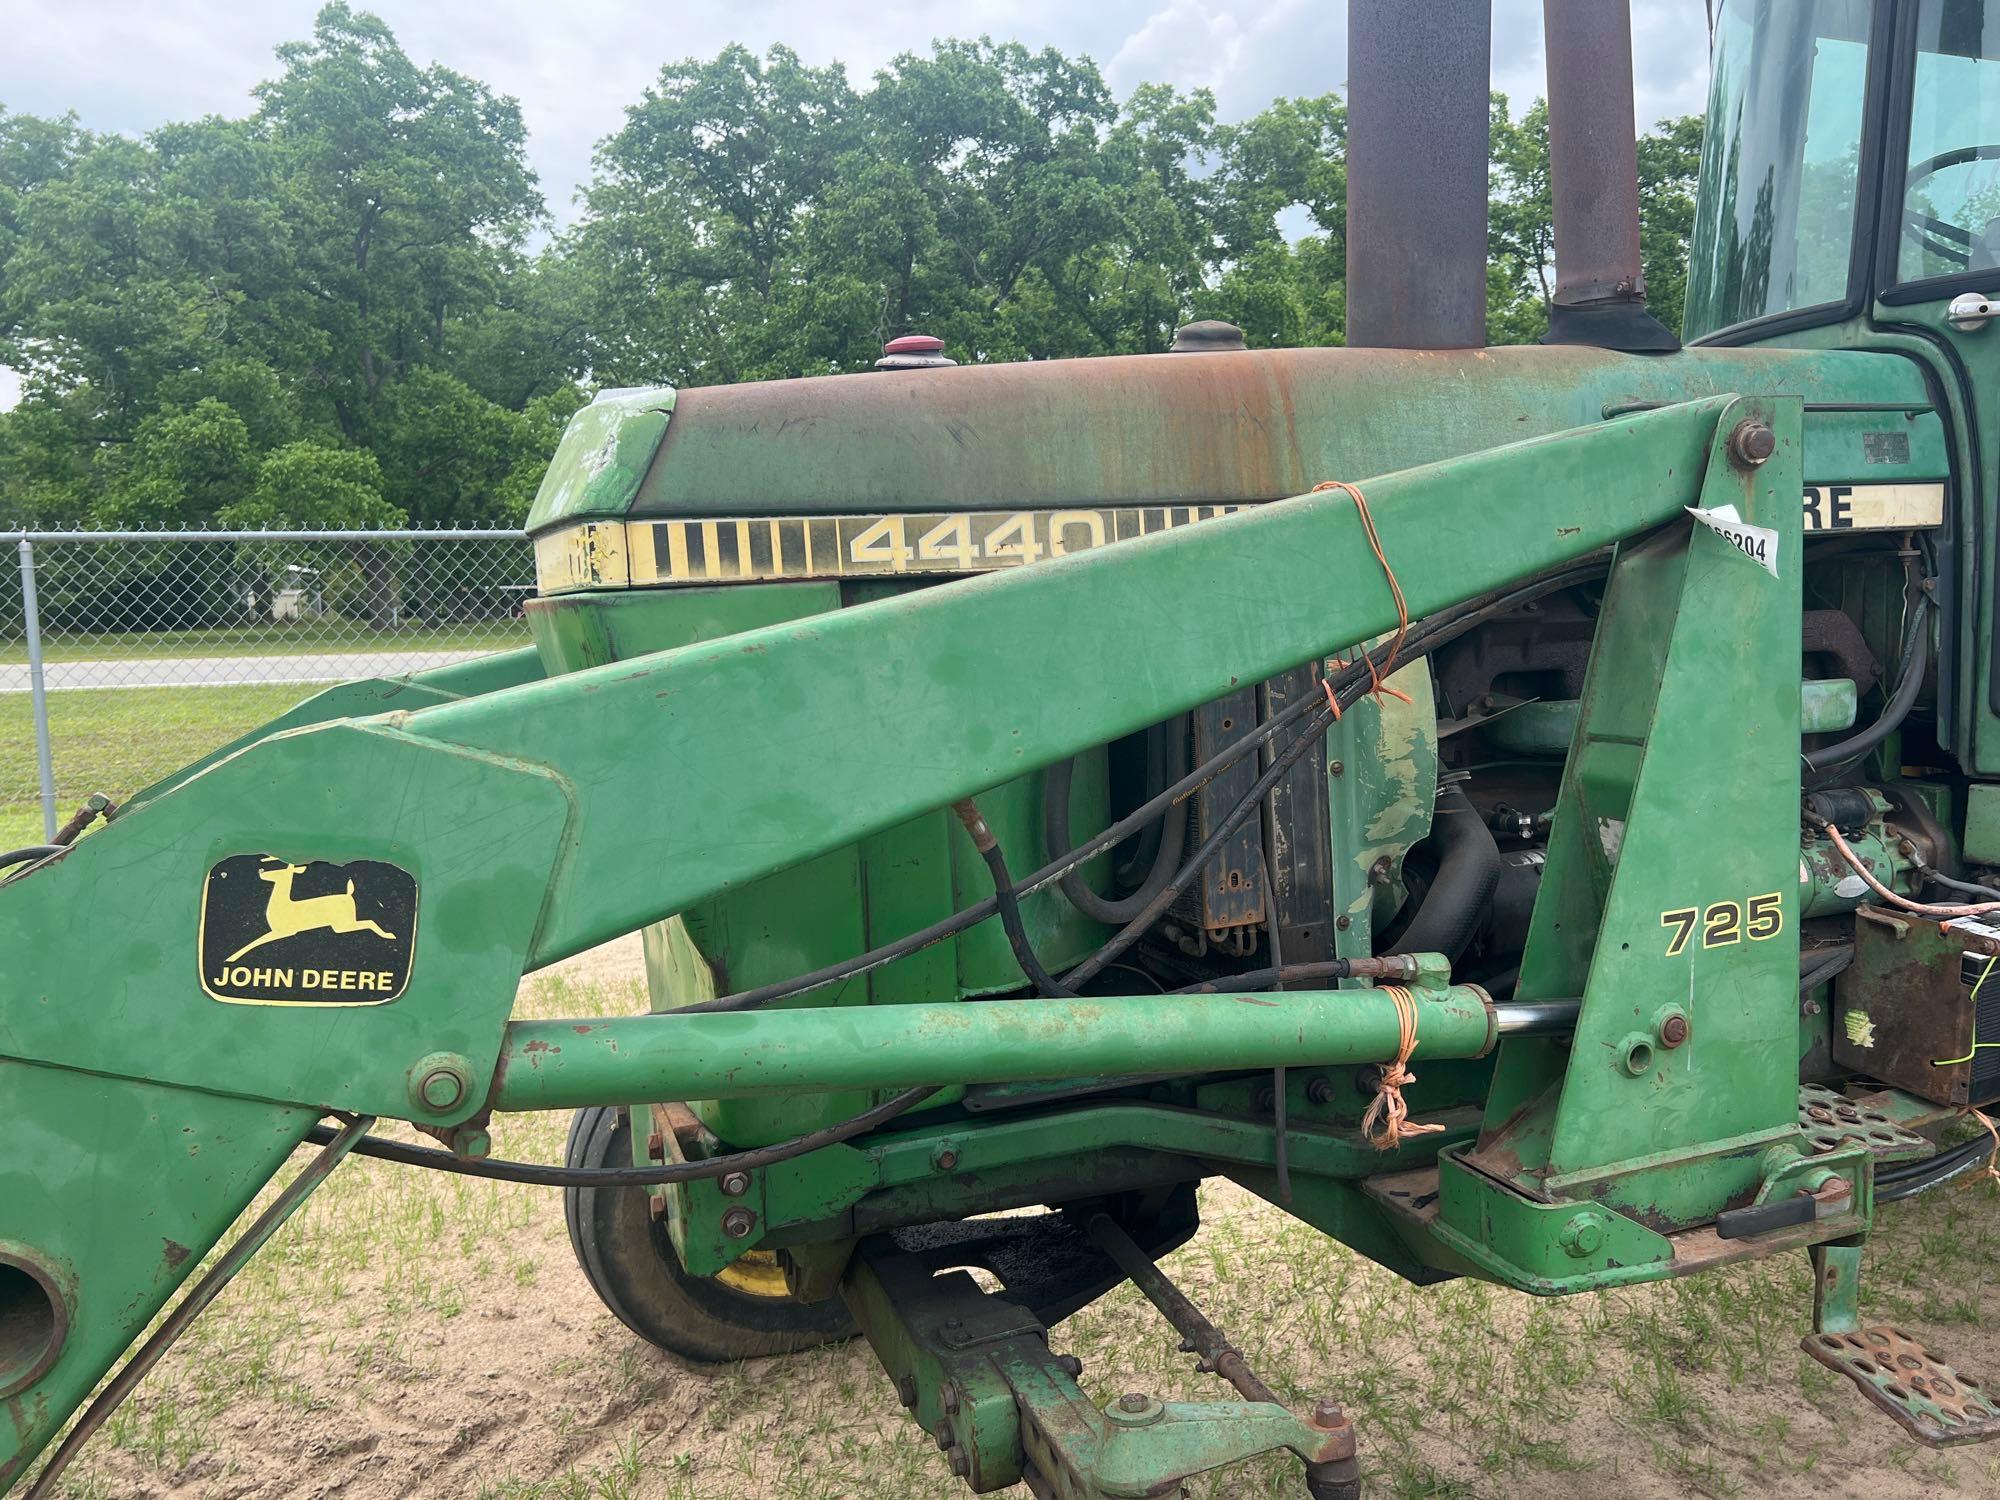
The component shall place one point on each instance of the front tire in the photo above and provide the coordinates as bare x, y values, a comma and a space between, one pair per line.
630, 1263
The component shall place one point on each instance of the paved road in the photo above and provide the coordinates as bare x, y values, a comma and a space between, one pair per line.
228, 671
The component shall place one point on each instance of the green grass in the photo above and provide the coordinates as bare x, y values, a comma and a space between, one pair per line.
118, 740
407, 1324
306, 637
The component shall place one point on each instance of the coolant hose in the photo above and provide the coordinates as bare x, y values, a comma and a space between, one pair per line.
1916, 658
1171, 739
1468, 873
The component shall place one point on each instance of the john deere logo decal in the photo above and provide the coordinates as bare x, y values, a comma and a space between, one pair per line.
276, 933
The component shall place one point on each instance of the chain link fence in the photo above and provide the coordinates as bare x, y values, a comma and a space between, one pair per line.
125, 655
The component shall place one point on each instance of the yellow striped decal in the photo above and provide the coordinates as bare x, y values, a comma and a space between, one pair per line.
765, 548
611, 554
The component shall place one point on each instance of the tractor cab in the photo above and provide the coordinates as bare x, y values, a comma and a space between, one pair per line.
1851, 165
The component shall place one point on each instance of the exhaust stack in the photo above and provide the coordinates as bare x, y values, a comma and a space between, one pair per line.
1600, 296
1417, 146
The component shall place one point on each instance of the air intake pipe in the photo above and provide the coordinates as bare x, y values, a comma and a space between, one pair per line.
1417, 147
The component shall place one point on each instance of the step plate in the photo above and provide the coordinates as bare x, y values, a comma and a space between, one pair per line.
1830, 1120
1933, 1402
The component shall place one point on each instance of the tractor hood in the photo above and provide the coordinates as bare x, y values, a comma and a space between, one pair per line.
1183, 429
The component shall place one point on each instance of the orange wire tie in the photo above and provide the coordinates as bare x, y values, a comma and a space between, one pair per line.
1376, 686
1387, 1123
1992, 1161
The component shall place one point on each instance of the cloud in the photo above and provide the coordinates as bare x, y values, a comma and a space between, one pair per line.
130, 65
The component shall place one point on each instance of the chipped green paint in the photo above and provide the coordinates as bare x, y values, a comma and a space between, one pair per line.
1380, 798
603, 457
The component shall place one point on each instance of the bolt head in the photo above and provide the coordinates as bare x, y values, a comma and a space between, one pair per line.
1582, 1236
1752, 443
945, 1157
960, 1464
948, 1398
1070, 1365
734, 1184
906, 1390
469, 1141
1673, 1031
738, 1223
1328, 1414
442, 1088
656, 1146
1132, 1401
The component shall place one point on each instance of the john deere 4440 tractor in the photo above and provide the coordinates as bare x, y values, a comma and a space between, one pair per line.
1530, 813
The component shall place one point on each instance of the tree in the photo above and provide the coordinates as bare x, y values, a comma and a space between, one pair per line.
339, 292
188, 304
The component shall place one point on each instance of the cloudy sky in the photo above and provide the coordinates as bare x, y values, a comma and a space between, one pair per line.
132, 64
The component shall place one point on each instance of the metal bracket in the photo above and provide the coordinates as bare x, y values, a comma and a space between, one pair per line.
976, 1371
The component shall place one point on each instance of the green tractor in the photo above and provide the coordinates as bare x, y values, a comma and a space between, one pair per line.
1530, 813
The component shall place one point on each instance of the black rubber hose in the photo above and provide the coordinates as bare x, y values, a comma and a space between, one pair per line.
1008, 901
1916, 659
1907, 1179
32, 851
1432, 632
537, 1175
1172, 838
1963, 887
1468, 873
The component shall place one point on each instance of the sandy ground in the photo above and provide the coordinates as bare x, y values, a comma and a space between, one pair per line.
436, 1339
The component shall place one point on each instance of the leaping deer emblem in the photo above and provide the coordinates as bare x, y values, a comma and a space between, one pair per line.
288, 918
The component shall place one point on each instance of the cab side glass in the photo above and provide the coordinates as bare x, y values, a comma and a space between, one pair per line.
1775, 216
1951, 189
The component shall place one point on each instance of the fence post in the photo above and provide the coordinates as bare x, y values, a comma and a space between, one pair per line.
38, 688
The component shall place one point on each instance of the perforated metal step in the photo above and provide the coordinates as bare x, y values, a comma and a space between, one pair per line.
1829, 1120
1930, 1399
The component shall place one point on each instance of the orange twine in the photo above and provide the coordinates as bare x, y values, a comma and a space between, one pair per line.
1377, 687
1387, 1123
1992, 1170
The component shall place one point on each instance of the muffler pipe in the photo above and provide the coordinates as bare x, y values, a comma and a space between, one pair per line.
1600, 295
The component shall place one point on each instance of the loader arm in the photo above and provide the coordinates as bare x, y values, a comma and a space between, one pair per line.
151, 1082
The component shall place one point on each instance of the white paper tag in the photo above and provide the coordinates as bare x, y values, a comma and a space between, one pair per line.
1758, 543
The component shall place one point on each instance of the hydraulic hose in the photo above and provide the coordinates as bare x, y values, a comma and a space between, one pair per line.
537, 1175
1007, 899
1427, 635
1468, 873
1916, 660
1171, 837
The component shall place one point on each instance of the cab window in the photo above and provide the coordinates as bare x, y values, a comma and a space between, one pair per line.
1775, 216
1951, 187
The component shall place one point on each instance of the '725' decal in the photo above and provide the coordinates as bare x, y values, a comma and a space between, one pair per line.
1725, 922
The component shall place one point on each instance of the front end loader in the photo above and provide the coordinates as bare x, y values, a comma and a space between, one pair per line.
1529, 813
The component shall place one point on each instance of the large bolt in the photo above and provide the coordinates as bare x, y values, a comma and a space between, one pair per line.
906, 1390
1328, 1414
1752, 443
1583, 1235
656, 1146
948, 1398
945, 1158
734, 1184
1070, 1365
1319, 1090
1132, 1401
1673, 1030
960, 1464
469, 1140
439, 1083
738, 1223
